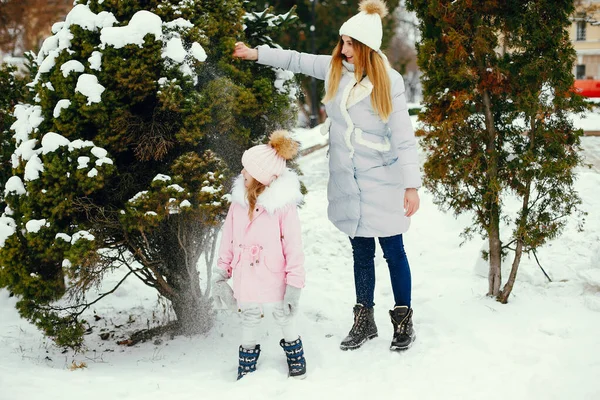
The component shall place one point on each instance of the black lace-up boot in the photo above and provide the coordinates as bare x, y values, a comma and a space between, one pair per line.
404, 335
364, 328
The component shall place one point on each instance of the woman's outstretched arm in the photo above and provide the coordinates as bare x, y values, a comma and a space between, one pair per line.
304, 63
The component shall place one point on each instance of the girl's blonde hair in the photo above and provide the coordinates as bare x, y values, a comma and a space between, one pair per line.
366, 62
252, 192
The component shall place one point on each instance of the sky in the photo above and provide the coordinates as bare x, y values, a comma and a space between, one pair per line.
543, 344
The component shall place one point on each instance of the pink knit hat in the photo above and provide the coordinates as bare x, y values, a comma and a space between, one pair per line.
266, 162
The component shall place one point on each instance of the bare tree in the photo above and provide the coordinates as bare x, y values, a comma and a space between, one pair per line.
588, 9
403, 57
402, 53
25, 23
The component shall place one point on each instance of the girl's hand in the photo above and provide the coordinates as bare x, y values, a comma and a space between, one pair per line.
411, 202
291, 300
244, 52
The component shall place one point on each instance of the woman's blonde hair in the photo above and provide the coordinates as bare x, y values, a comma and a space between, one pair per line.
252, 192
366, 62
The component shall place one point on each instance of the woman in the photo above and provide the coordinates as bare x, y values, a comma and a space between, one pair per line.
373, 160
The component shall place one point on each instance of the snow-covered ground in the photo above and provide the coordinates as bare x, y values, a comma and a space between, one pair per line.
544, 344
591, 122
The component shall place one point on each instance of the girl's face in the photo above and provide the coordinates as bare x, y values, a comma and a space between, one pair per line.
347, 49
248, 179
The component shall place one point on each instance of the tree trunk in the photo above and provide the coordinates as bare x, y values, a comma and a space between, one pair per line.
171, 254
209, 258
193, 311
192, 308
495, 257
492, 202
505, 293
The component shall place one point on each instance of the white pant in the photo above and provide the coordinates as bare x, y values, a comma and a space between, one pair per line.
251, 317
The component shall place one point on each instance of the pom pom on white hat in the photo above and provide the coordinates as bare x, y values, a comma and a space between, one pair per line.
366, 26
266, 162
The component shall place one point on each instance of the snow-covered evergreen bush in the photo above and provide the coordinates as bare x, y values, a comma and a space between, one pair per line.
12, 91
124, 158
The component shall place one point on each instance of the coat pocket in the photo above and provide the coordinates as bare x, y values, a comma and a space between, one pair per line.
273, 262
382, 146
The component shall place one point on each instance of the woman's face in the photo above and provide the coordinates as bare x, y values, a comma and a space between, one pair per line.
248, 179
347, 49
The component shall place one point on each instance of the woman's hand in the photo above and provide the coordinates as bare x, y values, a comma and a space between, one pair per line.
244, 52
411, 202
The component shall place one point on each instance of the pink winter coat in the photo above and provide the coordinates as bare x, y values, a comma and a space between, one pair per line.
266, 253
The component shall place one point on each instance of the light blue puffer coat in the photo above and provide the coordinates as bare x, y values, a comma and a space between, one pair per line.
371, 162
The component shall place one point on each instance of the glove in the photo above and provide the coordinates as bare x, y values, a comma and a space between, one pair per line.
291, 300
222, 292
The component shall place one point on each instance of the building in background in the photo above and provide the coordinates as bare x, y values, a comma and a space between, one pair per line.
585, 36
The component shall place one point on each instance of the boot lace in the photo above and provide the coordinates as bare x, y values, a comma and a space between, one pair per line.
360, 321
402, 326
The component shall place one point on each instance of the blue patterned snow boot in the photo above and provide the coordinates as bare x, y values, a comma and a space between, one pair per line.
248, 359
295, 358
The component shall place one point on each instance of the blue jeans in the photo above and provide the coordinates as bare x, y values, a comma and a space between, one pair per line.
363, 251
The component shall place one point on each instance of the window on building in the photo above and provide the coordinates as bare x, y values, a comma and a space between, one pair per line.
580, 72
581, 25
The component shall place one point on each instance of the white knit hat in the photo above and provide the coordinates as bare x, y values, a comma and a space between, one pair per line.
366, 25
266, 162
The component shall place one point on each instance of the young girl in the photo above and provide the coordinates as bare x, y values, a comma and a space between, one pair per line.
261, 246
